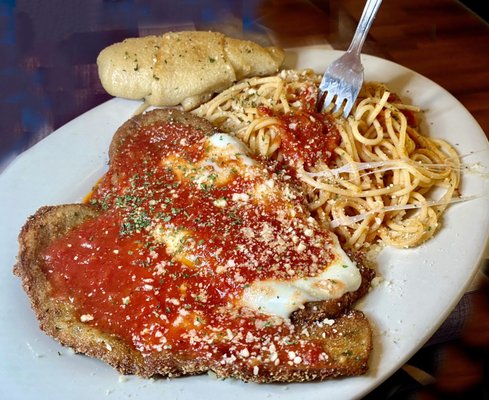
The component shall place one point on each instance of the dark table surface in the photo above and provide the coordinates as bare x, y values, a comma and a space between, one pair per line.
48, 76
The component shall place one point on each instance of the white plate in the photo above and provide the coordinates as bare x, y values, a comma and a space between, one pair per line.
422, 285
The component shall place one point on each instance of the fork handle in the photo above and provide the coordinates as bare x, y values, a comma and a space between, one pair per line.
366, 20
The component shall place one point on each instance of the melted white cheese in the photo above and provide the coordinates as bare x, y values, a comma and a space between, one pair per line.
228, 147
225, 156
281, 298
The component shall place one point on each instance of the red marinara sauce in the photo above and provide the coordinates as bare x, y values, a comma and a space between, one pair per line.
165, 262
307, 137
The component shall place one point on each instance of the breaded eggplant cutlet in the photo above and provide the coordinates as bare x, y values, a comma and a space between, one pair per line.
193, 256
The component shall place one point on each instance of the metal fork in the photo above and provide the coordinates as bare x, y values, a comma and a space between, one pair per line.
343, 78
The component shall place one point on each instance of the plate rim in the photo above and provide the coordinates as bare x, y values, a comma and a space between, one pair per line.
368, 59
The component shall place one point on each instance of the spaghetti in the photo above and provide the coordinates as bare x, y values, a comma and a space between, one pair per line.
383, 182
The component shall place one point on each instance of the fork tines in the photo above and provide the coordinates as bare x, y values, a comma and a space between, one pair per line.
340, 90
337, 95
